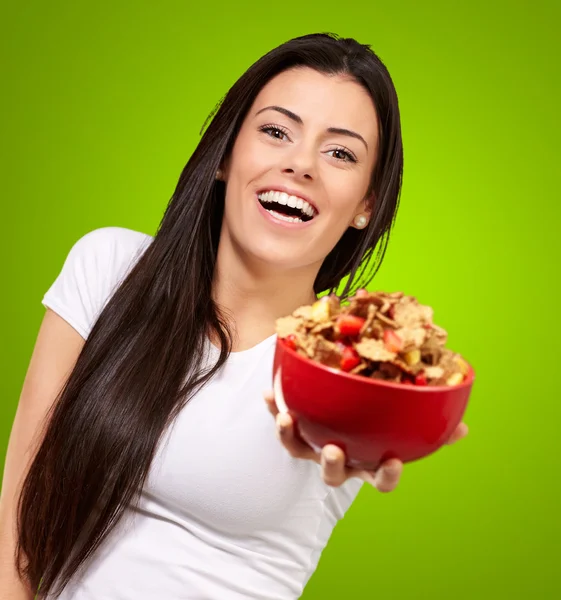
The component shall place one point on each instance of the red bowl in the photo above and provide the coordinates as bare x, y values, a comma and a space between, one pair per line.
369, 419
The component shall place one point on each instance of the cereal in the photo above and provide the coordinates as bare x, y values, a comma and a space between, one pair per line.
288, 326
374, 350
378, 335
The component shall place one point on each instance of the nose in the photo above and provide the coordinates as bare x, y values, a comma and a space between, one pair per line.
300, 163
303, 173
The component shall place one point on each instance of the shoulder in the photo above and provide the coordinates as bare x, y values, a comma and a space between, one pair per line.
94, 267
108, 253
112, 242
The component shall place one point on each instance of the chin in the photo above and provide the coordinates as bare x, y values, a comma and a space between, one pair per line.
275, 257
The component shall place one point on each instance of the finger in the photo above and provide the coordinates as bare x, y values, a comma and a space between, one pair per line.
460, 432
270, 401
386, 478
286, 434
333, 471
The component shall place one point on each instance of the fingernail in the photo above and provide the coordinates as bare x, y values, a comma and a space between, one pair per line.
330, 457
391, 471
282, 423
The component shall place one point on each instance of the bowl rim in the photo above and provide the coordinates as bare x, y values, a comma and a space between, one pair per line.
468, 381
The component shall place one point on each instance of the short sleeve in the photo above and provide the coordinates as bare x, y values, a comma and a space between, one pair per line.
337, 502
340, 498
91, 272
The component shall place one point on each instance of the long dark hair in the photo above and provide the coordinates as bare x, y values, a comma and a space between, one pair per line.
142, 360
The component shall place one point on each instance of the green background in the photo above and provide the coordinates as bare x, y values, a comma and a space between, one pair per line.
101, 108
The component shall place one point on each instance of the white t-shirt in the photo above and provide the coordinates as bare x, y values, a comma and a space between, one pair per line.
226, 512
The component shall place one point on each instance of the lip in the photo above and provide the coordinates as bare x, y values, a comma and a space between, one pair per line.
270, 217
290, 192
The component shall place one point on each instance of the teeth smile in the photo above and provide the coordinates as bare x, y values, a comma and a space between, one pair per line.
282, 198
284, 217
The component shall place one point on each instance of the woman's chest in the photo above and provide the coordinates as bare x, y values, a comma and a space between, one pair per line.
222, 465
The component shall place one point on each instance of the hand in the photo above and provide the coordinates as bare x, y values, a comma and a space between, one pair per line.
332, 459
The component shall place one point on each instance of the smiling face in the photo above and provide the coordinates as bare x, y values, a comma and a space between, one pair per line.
306, 147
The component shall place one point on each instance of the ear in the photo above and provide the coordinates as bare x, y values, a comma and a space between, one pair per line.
365, 207
363, 212
224, 169
368, 205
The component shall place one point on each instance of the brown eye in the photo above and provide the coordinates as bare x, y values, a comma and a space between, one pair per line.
341, 154
274, 132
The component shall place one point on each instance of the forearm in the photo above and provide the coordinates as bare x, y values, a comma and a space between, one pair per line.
11, 586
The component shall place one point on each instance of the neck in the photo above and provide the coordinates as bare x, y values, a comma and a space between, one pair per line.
253, 298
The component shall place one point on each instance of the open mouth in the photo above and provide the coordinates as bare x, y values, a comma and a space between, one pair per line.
287, 207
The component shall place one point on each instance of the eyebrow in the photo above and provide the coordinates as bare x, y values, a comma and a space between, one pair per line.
294, 117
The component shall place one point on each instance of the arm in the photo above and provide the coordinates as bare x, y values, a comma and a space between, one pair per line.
55, 353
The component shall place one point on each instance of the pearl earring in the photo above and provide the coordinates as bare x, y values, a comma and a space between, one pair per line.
219, 174
360, 221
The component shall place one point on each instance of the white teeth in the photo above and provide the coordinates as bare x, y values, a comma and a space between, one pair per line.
286, 199
285, 217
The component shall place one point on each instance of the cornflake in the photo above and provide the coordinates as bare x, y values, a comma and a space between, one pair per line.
388, 336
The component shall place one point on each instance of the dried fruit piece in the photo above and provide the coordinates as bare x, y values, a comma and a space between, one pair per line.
349, 324
420, 379
455, 379
350, 359
290, 341
412, 357
320, 310
392, 341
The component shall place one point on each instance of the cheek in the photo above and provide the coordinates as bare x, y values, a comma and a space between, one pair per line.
345, 193
249, 159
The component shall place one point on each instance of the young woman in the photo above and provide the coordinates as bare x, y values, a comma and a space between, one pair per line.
157, 473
